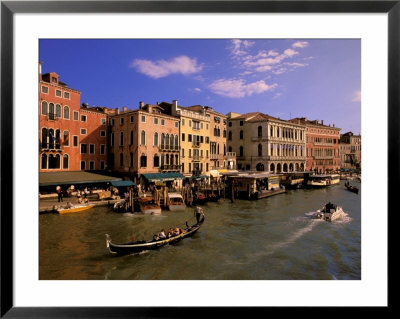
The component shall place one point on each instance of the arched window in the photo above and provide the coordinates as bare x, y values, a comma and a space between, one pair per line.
58, 110
171, 161
162, 140
230, 149
65, 161
155, 139
44, 108
51, 139
57, 161
44, 161
171, 141
121, 160
66, 138
176, 142
271, 133
260, 131
51, 109
259, 150
143, 138
130, 159
143, 161
162, 159
241, 151
66, 112
51, 163
229, 135
156, 161
241, 134
176, 159
58, 138
44, 137
224, 149
272, 149
167, 140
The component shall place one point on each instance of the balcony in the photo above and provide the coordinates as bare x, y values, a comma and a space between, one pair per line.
169, 148
214, 156
170, 167
196, 144
51, 116
196, 158
51, 147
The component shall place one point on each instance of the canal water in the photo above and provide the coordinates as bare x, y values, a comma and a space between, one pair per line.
269, 239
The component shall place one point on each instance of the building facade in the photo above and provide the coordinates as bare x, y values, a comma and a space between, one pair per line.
71, 137
145, 140
264, 143
322, 144
350, 151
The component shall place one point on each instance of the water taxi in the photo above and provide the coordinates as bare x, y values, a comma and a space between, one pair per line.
175, 202
148, 205
329, 212
70, 208
323, 180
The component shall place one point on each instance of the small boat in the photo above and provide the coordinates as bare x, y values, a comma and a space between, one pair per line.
212, 197
120, 205
351, 188
139, 246
175, 202
199, 198
329, 212
70, 208
148, 205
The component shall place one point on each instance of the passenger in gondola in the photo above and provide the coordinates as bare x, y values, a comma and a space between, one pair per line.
162, 234
177, 231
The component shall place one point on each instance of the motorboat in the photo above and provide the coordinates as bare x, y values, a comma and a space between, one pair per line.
329, 212
323, 180
139, 246
70, 208
175, 202
148, 205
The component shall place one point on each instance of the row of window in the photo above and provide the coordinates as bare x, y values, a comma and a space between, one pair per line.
58, 93
54, 162
276, 150
165, 140
54, 111
162, 160
143, 120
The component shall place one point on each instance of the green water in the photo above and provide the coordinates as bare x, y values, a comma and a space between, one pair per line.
269, 239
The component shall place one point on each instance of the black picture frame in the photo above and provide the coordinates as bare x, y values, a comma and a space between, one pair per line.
9, 8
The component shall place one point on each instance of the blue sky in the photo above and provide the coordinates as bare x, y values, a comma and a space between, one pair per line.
317, 79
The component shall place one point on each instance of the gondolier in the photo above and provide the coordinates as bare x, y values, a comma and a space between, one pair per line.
198, 211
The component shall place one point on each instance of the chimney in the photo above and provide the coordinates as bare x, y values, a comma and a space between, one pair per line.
117, 110
85, 105
333, 125
174, 107
322, 122
141, 104
124, 109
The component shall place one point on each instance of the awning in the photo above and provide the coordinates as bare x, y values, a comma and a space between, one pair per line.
214, 173
122, 183
73, 178
152, 177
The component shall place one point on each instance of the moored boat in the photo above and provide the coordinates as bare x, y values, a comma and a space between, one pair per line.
148, 205
329, 212
70, 208
175, 202
323, 180
139, 246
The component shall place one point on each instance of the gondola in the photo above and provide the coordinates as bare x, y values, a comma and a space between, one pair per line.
351, 188
139, 246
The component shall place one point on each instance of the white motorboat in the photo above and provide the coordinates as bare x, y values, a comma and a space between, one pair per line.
323, 180
148, 205
329, 212
175, 202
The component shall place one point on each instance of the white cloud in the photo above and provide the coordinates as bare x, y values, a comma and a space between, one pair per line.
290, 52
300, 44
162, 68
356, 96
239, 46
197, 89
238, 88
